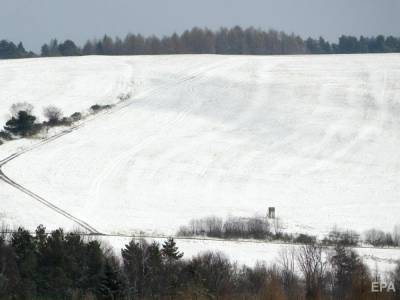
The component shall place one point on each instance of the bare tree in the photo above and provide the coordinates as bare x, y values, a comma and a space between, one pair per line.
277, 226
53, 114
396, 235
287, 264
21, 106
375, 237
214, 226
313, 267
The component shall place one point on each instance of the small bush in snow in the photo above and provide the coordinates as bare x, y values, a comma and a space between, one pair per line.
305, 239
124, 97
76, 116
4, 135
53, 115
97, 107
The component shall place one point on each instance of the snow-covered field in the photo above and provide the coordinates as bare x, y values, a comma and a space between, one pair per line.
317, 137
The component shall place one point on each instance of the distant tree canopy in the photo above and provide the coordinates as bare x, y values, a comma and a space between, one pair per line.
235, 40
10, 50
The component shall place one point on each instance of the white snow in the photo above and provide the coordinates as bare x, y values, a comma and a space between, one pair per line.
71, 83
318, 137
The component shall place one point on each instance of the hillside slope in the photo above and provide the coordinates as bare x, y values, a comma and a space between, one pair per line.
318, 137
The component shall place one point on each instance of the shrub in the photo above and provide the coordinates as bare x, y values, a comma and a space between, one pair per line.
65, 121
256, 228
53, 114
376, 237
76, 116
284, 237
97, 107
4, 135
24, 124
214, 271
345, 238
124, 97
305, 239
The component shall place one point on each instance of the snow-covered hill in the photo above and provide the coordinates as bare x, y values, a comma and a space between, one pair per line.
317, 137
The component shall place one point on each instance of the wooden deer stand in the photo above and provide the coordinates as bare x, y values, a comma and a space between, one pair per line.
271, 212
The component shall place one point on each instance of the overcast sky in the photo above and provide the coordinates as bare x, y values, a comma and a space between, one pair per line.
36, 21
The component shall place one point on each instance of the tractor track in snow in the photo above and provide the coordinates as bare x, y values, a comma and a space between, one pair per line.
119, 106
38, 198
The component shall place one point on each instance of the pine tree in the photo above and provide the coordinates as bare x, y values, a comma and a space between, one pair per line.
154, 268
134, 266
26, 259
170, 251
112, 285
171, 256
68, 48
94, 266
345, 263
53, 264
9, 274
45, 50
23, 124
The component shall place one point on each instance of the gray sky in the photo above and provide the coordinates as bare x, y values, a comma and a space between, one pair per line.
36, 21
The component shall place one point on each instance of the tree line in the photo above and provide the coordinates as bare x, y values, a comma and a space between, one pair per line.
10, 50
260, 228
235, 40
59, 265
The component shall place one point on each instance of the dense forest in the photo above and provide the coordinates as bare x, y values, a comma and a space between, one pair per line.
234, 40
58, 265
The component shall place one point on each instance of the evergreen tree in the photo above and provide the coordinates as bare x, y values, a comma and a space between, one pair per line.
9, 273
107, 46
170, 251
154, 269
345, 264
221, 41
89, 48
133, 256
26, 260
54, 262
235, 40
23, 124
45, 51
53, 48
112, 285
41, 244
75, 250
94, 266
68, 48
172, 268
